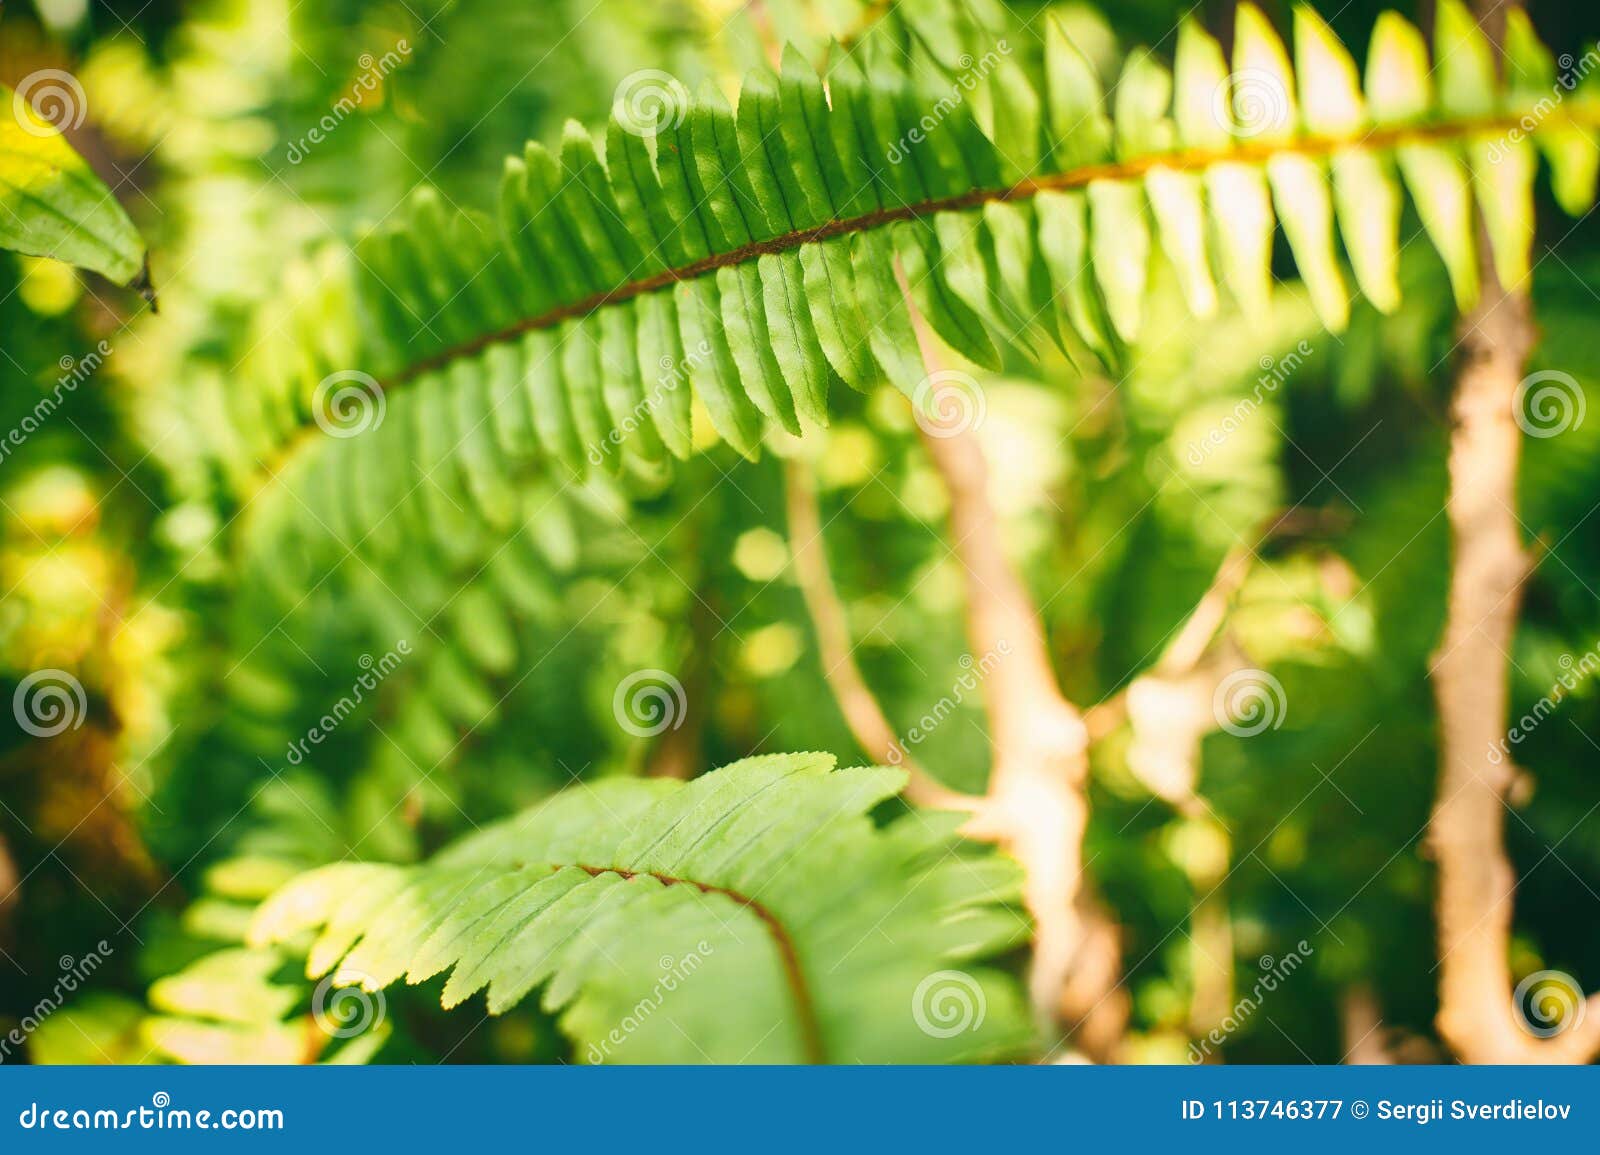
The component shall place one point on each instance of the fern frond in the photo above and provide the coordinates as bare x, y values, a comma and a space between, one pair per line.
445, 632
756, 913
232, 1004
240, 1004
748, 256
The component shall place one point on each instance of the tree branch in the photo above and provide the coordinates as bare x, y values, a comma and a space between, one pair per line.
679, 753
860, 708
1187, 645
1361, 1028
1476, 882
10, 888
1037, 807
1477, 1016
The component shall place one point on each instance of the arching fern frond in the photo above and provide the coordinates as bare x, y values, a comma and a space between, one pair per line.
228, 1003
748, 256
238, 1004
374, 637
756, 914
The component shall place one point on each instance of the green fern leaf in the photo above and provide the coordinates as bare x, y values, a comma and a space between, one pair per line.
787, 170
755, 914
724, 266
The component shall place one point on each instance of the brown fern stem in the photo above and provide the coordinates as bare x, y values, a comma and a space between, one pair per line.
1187, 160
805, 1007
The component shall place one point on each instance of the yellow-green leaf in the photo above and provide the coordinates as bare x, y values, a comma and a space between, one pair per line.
53, 205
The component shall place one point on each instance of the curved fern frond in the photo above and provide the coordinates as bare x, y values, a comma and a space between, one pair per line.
402, 645
229, 1004
754, 914
51, 202
239, 1004
749, 256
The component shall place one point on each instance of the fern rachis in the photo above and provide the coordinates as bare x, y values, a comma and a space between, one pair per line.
813, 929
